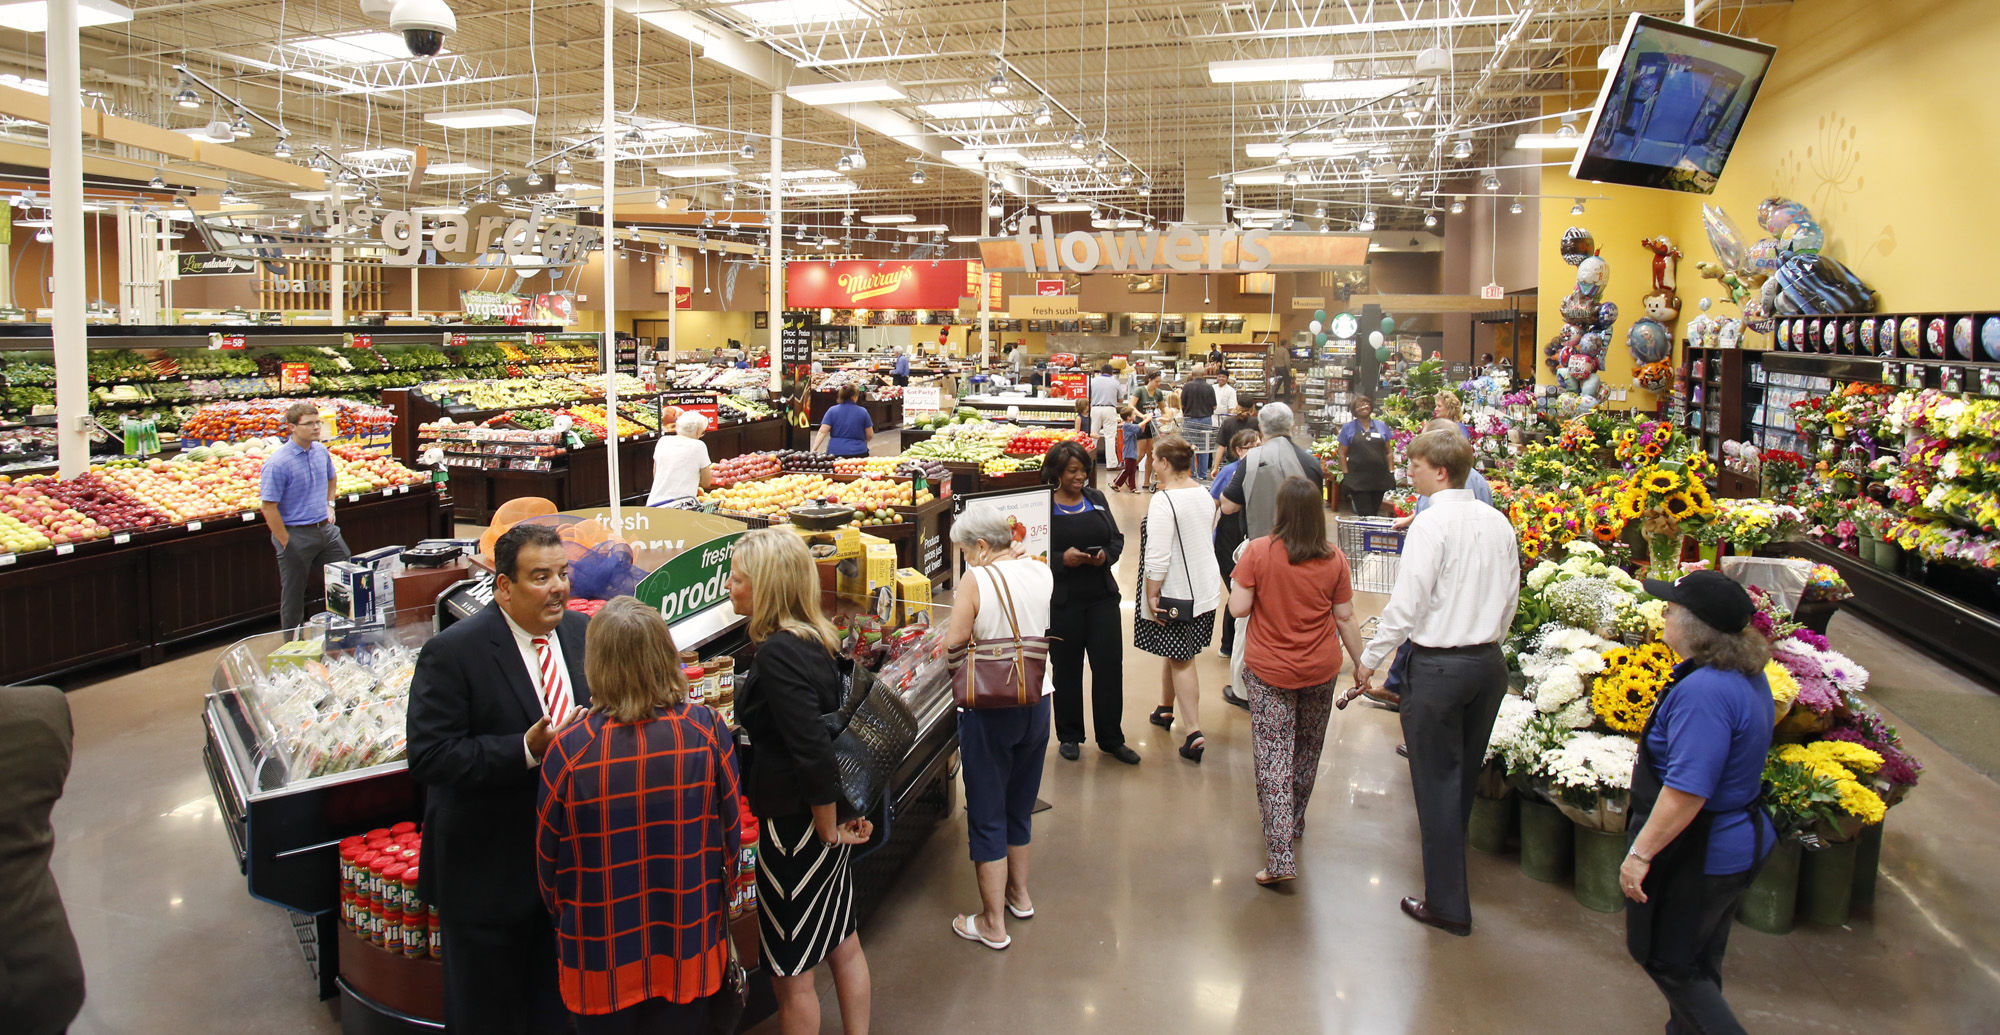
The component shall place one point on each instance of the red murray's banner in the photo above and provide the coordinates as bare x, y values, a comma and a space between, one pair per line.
876, 285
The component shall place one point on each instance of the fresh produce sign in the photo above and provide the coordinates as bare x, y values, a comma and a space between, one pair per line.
691, 582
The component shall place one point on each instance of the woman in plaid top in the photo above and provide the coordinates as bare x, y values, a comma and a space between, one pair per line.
638, 831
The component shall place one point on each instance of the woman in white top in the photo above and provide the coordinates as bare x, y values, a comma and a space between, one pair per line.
1178, 561
1000, 749
680, 464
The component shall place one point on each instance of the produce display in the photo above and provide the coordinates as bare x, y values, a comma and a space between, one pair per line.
256, 418
875, 500
94, 497
1036, 441
748, 468
770, 497
690, 377
735, 408
802, 461
46, 515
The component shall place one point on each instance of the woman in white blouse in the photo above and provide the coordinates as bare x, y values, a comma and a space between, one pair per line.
680, 464
1177, 561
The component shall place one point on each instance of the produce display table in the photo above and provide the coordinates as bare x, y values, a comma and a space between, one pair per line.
108, 600
580, 480
886, 413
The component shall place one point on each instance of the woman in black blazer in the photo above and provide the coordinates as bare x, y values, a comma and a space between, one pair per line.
1084, 544
805, 882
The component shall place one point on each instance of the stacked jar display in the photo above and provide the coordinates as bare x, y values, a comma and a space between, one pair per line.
378, 892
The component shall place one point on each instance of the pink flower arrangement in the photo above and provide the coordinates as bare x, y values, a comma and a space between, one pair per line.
1825, 676
1866, 728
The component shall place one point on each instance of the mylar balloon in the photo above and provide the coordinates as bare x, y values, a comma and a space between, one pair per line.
1607, 314
1724, 237
1592, 273
1577, 309
1577, 245
1649, 341
1315, 326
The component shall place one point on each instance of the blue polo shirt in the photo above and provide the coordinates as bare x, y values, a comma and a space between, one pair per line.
847, 427
296, 479
1481, 489
1709, 739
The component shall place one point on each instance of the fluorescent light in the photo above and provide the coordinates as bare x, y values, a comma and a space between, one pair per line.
696, 171
380, 154
970, 110
930, 228
1547, 142
201, 133
801, 12
653, 130
1354, 89
857, 92
480, 118
888, 220
1265, 179
34, 15
809, 189
454, 169
1270, 70
963, 238
802, 174
39, 86
1305, 149
361, 48
981, 156
1065, 206
439, 210
1055, 164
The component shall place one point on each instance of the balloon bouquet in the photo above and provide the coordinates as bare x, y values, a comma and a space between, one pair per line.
1784, 273
1651, 337
1576, 353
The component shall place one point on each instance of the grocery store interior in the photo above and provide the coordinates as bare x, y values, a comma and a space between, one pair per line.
504, 249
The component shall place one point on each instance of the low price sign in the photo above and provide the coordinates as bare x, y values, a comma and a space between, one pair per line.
700, 402
692, 582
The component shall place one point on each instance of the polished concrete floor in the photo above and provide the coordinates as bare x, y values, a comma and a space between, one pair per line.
1147, 917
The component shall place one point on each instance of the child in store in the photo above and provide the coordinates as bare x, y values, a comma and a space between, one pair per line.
1129, 423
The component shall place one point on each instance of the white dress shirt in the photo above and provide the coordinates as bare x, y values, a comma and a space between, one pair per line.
1458, 582
1225, 400
524, 641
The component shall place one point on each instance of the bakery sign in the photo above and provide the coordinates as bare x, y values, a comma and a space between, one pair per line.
1176, 249
875, 285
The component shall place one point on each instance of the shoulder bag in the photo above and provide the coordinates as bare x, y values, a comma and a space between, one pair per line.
1000, 673
872, 733
1177, 609
725, 1006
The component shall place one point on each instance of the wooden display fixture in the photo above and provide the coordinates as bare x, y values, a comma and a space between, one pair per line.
307, 284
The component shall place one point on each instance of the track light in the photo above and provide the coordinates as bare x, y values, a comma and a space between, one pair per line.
917, 177
1043, 116
44, 236
241, 127
562, 167
1396, 190
482, 198
661, 200
1457, 206
707, 220
1491, 182
1319, 212
1576, 209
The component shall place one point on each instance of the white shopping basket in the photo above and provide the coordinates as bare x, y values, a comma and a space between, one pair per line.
1373, 549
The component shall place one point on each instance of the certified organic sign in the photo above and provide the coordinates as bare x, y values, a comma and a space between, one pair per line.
692, 582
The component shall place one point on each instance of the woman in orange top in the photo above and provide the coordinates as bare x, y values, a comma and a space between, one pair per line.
1297, 585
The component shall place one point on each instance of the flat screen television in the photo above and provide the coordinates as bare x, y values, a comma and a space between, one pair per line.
1671, 110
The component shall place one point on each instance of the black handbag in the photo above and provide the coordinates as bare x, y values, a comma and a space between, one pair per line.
872, 734
725, 1007
1177, 609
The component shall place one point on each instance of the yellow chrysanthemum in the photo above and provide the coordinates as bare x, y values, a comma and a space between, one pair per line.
1784, 688
1860, 801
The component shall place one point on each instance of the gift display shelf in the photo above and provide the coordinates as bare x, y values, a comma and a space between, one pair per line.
146, 591
1914, 607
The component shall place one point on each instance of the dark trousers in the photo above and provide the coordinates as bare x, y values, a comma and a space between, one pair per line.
500, 979
300, 565
1129, 475
1365, 504
1090, 629
1695, 994
1001, 751
1450, 698
646, 1018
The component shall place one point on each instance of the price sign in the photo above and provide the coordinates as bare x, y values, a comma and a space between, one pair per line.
456, 339
121, 538
1888, 373
1048, 288
249, 516
6, 559
226, 341
360, 341
538, 338
353, 497
65, 550
1069, 386
698, 402
1027, 511
194, 526
922, 399
1989, 383
294, 376
1913, 376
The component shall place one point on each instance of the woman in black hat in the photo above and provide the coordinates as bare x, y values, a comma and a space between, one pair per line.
1700, 830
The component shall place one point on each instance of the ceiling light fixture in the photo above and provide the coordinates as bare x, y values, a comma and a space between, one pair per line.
748, 150
563, 167
860, 91
917, 177
1515, 208
1077, 141
1547, 141
1284, 155
1146, 187
998, 86
1354, 89
1043, 116
1491, 182
1457, 206
282, 149
481, 118
843, 164
1270, 70
1430, 219
159, 182
1576, 209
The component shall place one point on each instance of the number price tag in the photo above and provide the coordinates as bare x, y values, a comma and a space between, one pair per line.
353, 497
65, 550
6, 559
121, 538
194, 526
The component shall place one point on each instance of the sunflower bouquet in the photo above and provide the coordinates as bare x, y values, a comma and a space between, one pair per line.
1818, 787
1626, 691
1668, 499
1650, 442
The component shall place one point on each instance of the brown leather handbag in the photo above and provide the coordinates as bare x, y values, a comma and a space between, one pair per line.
1000, 673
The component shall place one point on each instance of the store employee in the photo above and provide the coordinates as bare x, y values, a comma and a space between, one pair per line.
297, 488
489, 694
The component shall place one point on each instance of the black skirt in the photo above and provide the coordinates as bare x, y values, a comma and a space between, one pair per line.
1175, 641
805, 895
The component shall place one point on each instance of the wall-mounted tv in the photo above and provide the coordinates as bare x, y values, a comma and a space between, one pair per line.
1670, 112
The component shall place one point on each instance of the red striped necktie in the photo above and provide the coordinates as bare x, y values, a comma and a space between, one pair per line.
555, 694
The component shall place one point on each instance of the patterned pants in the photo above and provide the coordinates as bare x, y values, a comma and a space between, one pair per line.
1288, 728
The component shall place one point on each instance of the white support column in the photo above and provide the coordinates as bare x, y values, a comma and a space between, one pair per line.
985, 296
608, 340
336, 305
673, 304
416, 294
60, 51
777, 240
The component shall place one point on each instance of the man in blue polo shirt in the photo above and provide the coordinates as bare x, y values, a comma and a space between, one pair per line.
297, 488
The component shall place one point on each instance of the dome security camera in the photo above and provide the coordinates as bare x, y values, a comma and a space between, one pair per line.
424, 25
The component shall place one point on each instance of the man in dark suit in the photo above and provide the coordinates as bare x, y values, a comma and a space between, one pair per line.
41, 975
489, 695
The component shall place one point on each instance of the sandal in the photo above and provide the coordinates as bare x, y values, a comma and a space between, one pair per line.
970, 932
1018, 913
1190, 751
1162, 717
1265, 878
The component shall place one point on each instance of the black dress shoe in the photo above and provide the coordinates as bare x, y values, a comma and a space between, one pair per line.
1403, 750
1122, 753
1229, 694
1422, 914
1068, 751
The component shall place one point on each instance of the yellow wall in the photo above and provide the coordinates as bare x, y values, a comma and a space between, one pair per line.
1878, 116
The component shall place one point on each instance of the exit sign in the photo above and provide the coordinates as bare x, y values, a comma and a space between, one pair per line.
1493, 291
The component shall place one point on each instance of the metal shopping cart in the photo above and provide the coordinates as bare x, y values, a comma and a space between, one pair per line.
1202, 438
1374, 550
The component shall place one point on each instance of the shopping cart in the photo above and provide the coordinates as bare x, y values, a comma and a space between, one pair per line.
1202, 438
1374, 549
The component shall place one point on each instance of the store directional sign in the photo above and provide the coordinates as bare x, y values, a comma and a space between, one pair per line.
691, 582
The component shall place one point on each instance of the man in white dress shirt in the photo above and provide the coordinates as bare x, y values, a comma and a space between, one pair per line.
1456, 590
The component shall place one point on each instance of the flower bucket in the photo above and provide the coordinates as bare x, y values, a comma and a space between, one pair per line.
1867, 866
1492, 823
1868, 549
1826, 883
1663, 556
1800, 723
1546, 842
1599, 854
1772, 901
1712, 553
1889, 556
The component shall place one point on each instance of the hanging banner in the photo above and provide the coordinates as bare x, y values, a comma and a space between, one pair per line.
684, 296
492, 305
876, 285
557, 308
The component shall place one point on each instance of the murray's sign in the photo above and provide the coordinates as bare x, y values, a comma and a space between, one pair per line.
1039, 249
